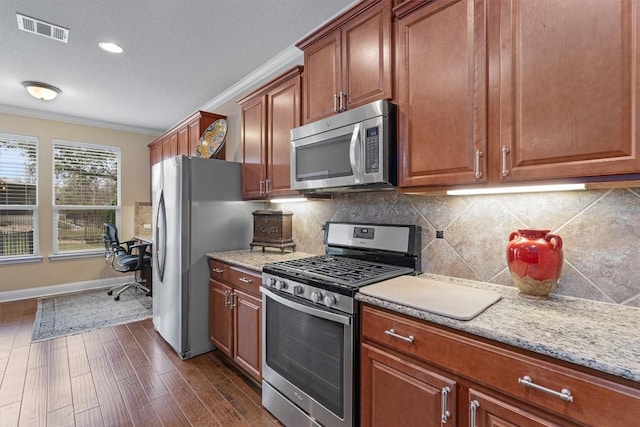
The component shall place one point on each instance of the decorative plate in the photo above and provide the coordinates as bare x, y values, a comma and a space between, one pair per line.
212, 139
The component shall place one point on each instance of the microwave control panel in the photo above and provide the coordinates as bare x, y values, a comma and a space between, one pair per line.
372, 150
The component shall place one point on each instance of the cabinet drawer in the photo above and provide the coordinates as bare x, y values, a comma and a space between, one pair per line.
245, 279
218, 270
596, 401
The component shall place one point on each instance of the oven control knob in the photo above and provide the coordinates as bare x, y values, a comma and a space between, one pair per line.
281, 284
316, 296
298, 290
270, 281
329, 300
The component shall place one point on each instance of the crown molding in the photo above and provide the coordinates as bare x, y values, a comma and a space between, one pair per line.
277, 65
26, 112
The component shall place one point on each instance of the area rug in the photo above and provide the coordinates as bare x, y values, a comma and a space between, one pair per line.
70, 314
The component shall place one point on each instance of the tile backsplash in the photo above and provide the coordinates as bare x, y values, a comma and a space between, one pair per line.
600, 231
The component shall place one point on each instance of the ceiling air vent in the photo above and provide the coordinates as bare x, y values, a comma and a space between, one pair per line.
42, 28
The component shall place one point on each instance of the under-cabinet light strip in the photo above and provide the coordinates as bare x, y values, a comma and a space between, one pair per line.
521, 189
288, 200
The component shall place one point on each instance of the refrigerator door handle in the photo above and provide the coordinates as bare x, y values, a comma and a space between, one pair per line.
160, 245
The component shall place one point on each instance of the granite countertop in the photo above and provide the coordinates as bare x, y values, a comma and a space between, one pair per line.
256, 259
601, 336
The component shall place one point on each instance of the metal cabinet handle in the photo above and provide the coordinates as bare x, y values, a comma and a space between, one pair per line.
261, 182
232, 300
226, 298
445, 397
335, 103
564, 394
266, 186
477, 164
393, 333
217, 270
343, 95
245, 280
505, 151
474, 409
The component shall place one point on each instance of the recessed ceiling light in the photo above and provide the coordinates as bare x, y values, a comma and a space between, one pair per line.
110, 47
41, 91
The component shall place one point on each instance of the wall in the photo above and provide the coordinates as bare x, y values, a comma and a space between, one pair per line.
135, 187
600, 230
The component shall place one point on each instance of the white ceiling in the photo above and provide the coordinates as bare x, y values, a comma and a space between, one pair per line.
180, 55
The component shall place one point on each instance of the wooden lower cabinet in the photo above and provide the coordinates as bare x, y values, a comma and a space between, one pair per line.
407, 364
220, 321
488, 411
247, 337
235, 311
398, 392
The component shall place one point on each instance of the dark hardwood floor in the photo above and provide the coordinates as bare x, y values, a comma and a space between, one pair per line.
124, 375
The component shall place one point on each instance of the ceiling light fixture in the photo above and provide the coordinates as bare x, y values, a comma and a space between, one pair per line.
41, 91
521, 189
110, 47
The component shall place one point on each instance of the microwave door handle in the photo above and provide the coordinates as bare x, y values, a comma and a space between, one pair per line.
354, 151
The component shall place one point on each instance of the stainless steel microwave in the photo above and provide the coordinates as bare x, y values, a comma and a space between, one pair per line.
354, 150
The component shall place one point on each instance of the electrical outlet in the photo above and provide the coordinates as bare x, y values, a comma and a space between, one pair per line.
439, 234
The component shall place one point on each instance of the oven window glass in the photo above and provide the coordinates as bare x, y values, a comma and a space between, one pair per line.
308, 352
326, 159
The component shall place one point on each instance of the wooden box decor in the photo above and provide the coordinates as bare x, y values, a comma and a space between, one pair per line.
272, 228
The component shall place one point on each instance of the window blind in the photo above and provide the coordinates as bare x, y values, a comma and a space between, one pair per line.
86, 186
18, 196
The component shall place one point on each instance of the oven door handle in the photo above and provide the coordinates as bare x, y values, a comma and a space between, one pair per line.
323, 314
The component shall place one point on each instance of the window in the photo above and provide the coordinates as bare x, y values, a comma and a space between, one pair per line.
86, 188
18, 196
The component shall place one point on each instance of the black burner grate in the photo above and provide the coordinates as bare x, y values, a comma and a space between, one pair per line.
346, 271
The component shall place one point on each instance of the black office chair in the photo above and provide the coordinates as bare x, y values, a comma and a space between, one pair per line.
125, 259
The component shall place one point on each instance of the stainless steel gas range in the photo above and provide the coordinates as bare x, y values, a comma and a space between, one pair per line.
310, 320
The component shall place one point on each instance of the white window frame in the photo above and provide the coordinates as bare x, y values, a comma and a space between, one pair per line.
35, 256
57, 253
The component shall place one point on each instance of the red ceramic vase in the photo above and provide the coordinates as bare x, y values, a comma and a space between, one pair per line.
535, 261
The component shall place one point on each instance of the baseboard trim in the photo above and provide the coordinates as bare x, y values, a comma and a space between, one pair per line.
64, 288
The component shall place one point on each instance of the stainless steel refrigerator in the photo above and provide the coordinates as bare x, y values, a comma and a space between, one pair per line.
197, 208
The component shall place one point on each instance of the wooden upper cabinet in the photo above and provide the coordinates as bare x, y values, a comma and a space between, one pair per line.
183, 141
348, 61
283, 111
183, 138
564, 102
441, 93
511, 90
254, 156
322, 81
170, 146
155, 152
268, 115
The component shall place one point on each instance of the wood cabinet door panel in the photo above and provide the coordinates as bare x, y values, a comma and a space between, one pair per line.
321, 77
183, 141
442, 94
493, 412
284, 115
567, 102
366, 56
398, 392
253, 148
247, 327
155, 153
220, 317
194, 137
